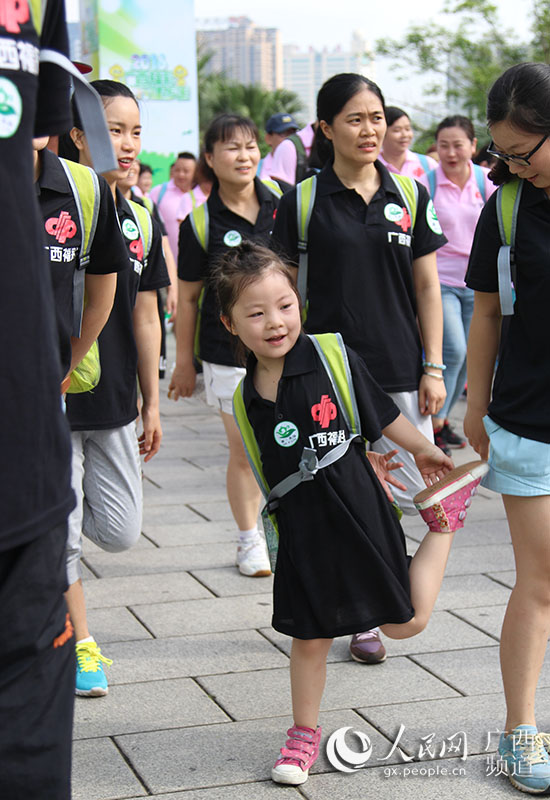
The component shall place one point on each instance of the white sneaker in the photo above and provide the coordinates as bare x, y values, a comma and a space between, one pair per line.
252, 558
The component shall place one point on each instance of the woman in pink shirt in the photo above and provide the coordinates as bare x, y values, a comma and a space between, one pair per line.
459, 189
199, 194
395, 154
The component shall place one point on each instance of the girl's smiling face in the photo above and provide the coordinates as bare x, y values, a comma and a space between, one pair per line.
266, 316
399, 135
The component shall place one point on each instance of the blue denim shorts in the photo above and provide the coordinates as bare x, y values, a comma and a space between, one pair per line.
517, 465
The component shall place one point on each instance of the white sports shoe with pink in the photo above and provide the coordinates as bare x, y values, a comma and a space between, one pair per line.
444, 505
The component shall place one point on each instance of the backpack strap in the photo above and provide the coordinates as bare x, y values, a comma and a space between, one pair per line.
273, 187
193, 199
301, 156
334, 357
424, 163
200, 222
507, 201
84, 185
408, 190
148, 203
38, 11
480, 180
162, 192
432, 182
145, 227
305, 201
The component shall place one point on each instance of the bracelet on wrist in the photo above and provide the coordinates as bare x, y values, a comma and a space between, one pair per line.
433, 366
434, 375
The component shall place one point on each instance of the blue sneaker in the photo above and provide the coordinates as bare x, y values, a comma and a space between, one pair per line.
90, 678
527, 762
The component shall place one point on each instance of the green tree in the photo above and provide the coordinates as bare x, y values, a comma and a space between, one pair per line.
467, 57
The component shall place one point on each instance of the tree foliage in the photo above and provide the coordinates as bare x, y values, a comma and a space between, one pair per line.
469, 54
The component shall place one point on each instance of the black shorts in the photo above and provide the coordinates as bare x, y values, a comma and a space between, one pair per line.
37, 671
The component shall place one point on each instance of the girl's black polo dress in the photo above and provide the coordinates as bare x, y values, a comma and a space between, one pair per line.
521, 391
342, 565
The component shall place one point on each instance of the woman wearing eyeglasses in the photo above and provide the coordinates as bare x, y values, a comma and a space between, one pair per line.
513, 421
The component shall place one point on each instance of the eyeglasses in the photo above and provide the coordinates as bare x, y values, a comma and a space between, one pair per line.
523, 161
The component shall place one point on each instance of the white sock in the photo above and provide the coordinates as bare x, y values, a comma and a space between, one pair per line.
247, 536
87, 639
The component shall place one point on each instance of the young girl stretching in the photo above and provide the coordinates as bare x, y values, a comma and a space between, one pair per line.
341, 565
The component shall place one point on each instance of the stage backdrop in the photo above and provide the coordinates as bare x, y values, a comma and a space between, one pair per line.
150, 46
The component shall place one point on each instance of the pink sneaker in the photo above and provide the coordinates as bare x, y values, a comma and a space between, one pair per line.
444, 505
297, 756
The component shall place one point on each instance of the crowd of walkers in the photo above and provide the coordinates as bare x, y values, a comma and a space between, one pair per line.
328, 293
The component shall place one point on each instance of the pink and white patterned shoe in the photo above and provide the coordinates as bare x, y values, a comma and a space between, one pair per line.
444, 505
297, 756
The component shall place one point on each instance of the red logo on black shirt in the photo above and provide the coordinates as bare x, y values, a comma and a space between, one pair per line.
324, 411
405, 222
13, 13
136, 247
61, 227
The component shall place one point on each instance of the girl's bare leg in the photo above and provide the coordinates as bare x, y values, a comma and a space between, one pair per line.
242, 490
426, 574
527, 622
308, 668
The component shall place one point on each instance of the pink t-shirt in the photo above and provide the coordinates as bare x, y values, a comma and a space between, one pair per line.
412, 166
458, 211
186, 203
168, 209
283, 166
266, 167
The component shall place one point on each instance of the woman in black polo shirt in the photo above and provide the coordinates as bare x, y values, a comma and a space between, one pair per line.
240, 207
513, 417
372, 272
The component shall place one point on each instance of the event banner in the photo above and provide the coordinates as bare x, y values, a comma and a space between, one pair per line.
150, 46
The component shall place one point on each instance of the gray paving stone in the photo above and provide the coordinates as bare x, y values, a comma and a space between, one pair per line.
131, 589
470, 590
215, 510
228, 581
115, 625
477, 671
242, 791
173, 760
488, 619
476, 716
508, 577
175, 513
191, 533
162, 559
487, 558
182, 657
349, 685
158, 705
205, 616
444, 632
471, 781
101, 773
87, 574
89, 549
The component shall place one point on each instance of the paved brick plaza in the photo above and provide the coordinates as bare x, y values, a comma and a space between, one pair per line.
199, 694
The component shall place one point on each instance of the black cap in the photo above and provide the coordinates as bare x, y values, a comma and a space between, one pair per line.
279, 123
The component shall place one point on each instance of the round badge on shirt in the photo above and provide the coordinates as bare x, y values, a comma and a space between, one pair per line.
393, 212
11, 108
432, 220
130, 229
286, 433
232, 239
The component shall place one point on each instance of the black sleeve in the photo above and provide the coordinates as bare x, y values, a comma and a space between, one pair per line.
108, 252
155, 275
427, 234
482, 273
53, 112
376, 408
192, 260
284, 239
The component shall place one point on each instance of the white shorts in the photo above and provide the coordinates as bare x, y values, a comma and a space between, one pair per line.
220, 383
407, 402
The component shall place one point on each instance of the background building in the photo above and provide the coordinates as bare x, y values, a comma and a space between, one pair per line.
304, 72
242, 51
